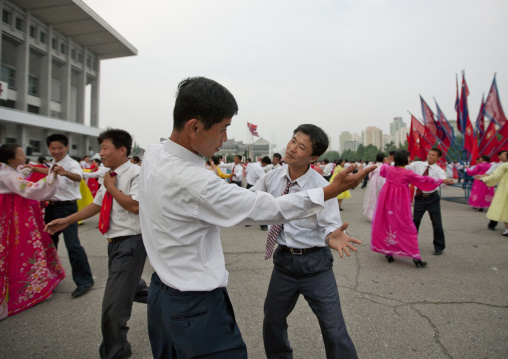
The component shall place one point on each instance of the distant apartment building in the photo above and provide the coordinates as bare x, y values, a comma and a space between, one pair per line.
50, 68
350, 146
396, 125
373, 136
344, 136
401, 136
387, 139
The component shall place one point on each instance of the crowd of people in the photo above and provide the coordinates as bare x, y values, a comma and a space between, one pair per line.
171, 208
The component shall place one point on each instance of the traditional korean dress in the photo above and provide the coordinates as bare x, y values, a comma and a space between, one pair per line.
376, 182
481, 196
29, 265
393, 230
498, 210
345, 194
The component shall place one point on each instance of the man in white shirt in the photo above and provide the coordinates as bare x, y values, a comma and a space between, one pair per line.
276, 160
63, 204
266, 163
236, 170
119, 222
327, 171
430, 200
302, 261
254, 173
182, 206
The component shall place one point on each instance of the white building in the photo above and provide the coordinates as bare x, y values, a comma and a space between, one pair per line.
344, 137
387, 139
373, 136
396, 125
401, 136
50, 68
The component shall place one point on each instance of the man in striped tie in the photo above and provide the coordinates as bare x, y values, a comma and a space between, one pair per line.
303, 260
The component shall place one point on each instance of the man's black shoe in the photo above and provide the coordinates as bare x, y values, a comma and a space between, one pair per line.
437, 252
141, 298
79, 291
491, 228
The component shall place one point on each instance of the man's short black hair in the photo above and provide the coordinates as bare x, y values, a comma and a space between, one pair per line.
240, 157
57, 137
401, 158
326, 161
120, 138
317, 136
215, 159
136, 159
380, 157
266, 160
391, 153
439, 152
277, 155
501, 152
204, 100
8, 152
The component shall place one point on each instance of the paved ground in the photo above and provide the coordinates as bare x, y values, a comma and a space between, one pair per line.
455, 308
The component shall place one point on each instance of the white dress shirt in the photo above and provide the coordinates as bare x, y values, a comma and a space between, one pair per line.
435, 171
67, 189
310, 231
101, 171
183, 205
121, 221
268, 168
493, 167
327, 171
237, 173
254, 172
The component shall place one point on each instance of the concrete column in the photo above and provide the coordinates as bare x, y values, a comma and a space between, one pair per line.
1, 12
86, 144
46, 77
3, 131
65, 91
80, 106
22, 62
94, 111
44, 146
21, 137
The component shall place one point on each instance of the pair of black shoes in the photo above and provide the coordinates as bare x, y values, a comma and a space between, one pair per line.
437, 252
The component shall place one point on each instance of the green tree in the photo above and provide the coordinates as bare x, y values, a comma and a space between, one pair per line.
390, 147
330, 155
137, 150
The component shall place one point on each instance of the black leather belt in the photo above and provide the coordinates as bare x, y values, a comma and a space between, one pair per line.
299, 251
431, 194
117, 239
61, 203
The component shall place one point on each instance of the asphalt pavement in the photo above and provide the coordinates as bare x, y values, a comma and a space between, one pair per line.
457, 307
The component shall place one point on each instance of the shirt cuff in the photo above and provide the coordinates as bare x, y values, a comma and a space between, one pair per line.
317, 196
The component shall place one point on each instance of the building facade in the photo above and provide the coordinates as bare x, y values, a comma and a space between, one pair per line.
50, 55
401, 136
396, 125
373, 136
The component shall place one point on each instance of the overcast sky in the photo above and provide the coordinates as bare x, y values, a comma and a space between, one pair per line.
341, 65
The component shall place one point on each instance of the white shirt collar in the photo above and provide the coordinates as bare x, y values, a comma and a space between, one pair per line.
300, 180
183, 153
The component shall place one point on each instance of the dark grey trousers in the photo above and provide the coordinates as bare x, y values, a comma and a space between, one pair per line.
125, 266
311, 275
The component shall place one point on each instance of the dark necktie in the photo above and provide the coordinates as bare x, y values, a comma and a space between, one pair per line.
275, 229
419, 192
107, 203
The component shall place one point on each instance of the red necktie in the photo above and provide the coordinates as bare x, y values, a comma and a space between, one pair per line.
107, 203
426, 173
275, 230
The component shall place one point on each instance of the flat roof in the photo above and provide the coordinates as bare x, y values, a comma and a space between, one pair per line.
75, 19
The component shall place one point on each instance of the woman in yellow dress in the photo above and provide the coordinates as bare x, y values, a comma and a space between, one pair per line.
343, 195
498, 210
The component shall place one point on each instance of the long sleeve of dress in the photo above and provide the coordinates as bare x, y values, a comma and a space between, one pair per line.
12, 182
425, 183
477, 170
495, 177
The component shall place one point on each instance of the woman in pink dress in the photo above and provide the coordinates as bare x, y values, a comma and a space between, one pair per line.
29, 265
376, 182
481, 196
393, 230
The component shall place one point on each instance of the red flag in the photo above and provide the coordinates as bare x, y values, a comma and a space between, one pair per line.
469, 138
253, 129
474, 153
428, 118
463, 114
489, 141
493, 109
480, 120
